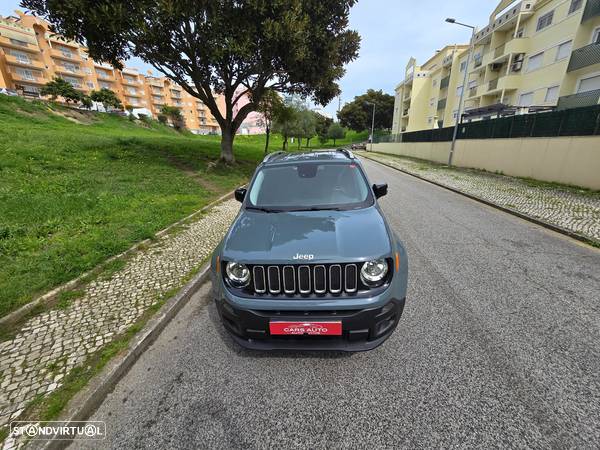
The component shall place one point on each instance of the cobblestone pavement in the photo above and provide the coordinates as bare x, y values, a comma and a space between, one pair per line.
567, 208
51, 344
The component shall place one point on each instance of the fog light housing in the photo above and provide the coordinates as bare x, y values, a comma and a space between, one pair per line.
373, 272
237, 274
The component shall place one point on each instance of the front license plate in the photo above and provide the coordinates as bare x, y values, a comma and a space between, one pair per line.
309, 328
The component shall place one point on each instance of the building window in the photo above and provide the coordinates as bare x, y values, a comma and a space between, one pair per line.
589, 84
463, 66
551, 94
104, 85
66, 52
526, 99
31, 89
459, 91
90, 84
596, 36
71, 67
19, 42
21, 57
545, 21
73, 81
431, 101
535, 62
455, 114
575, 5
564, 50
26, 74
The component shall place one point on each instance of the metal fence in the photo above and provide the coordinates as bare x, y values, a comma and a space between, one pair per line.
570, 122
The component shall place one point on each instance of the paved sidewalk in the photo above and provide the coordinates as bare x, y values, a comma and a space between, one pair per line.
575, 210
51, 344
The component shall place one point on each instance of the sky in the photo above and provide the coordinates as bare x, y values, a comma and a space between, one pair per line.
392, 31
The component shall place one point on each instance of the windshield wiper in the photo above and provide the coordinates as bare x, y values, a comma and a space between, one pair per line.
267, 210
317, 209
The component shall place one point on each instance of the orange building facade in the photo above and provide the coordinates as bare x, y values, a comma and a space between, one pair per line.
31, 55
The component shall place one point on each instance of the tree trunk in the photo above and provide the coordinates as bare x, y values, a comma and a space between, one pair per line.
267, 143
227, 136
299, 143
334, 142
285, 142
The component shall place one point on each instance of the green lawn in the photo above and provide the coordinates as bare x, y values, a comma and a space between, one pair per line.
73, 194
79, 187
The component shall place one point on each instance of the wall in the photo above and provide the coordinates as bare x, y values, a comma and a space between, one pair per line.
568, 160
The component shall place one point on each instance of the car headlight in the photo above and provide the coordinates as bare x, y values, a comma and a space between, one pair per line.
238, 274
373, 272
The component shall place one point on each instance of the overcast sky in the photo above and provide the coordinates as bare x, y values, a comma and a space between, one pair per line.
392, 31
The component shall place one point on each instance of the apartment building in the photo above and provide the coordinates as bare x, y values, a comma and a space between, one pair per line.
31, 55
424, 99
533, 54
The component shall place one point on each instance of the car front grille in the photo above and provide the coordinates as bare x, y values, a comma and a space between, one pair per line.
313, 279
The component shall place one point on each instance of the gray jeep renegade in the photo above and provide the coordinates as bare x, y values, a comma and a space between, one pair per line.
310, 262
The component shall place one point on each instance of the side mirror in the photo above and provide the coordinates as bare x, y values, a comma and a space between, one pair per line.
380, 190
240, 194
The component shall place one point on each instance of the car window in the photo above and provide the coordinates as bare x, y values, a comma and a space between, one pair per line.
310, 185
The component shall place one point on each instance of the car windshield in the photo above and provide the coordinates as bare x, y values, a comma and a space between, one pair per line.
309, 186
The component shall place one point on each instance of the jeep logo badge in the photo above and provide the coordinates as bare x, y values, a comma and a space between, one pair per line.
304, 257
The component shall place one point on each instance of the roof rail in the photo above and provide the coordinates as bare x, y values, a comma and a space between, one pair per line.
270, 155
346, 152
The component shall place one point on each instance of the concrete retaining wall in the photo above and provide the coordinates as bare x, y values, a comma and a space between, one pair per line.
568, 160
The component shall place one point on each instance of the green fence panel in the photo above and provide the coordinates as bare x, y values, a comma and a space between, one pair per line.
580, 122
570, 122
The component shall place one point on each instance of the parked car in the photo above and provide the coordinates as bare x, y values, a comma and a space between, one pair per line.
10, 92
310, 261
359, 146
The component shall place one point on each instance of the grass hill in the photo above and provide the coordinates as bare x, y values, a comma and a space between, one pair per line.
77, 187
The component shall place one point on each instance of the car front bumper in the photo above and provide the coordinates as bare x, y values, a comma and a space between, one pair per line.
362, 329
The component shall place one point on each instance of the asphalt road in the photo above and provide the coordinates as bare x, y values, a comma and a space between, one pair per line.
499, 346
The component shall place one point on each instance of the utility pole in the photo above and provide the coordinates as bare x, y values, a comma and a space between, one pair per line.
464, 87
372, 124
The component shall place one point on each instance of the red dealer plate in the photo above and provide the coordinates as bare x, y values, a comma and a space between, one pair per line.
310, 328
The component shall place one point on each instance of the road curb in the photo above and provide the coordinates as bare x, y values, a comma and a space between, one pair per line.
556, 228
25, 309
85, 402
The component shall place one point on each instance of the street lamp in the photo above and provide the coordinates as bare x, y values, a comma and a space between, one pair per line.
372, 124
464, 86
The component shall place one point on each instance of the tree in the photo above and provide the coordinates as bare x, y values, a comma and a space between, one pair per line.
306, 125
86, 101
129, 109
357, 115
214, 47
107, 97
58, 87
336, 131
268, 107
174, 114
285, 122
322, 127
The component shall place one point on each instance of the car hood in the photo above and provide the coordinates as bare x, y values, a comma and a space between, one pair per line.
329, 236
